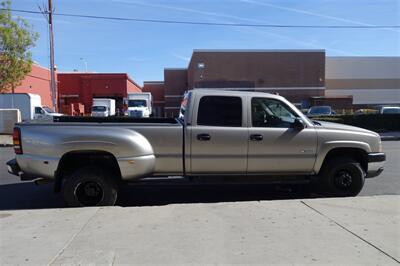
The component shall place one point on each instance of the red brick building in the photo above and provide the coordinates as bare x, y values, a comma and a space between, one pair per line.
78, 88
37, 82
294, 74
157, 90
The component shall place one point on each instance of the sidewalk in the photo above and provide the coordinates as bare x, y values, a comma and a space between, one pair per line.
361, 230
6, 140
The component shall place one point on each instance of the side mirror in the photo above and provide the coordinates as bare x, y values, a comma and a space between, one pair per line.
298, 124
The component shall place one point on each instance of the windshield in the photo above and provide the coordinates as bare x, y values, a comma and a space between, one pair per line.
137, 103
47, 109
99, 108
320, 110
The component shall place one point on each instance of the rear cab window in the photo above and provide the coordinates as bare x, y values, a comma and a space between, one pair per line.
222, 111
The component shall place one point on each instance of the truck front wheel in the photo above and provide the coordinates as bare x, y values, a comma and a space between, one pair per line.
342, 177
90, 186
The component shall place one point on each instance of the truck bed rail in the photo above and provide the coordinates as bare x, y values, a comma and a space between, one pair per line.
115, 119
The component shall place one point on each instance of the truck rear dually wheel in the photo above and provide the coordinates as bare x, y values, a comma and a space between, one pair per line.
342, 177
90, 186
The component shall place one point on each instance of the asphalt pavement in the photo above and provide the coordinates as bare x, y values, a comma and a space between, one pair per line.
15, 194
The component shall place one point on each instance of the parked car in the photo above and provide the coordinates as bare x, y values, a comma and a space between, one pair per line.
221, 136
390, 110
320, 111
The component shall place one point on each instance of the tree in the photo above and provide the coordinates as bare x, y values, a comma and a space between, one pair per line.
16, 38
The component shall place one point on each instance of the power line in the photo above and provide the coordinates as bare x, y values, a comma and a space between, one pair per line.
210, 23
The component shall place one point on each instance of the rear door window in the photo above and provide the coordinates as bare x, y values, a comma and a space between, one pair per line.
220, 111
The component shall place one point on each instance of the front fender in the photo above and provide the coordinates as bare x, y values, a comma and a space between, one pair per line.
330, 145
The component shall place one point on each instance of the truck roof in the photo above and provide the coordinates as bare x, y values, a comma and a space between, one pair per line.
234, 92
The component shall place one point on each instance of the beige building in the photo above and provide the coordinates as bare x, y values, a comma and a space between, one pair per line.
370, 80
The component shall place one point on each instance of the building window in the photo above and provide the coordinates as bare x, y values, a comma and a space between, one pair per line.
220, 111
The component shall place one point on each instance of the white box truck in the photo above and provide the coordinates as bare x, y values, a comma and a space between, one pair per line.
103, 107
139, 104
30, 105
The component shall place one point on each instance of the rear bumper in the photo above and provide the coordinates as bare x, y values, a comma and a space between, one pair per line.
14, 169
376, 162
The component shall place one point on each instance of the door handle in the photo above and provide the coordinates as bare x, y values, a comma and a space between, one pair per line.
203, 137
256, 137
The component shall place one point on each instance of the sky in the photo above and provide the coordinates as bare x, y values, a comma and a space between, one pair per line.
143, 50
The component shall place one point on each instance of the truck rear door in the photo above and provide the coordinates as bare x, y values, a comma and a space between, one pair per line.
219, 135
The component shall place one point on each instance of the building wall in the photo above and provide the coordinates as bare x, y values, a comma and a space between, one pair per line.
370, 80
256, 68
157, 90
295, 74
83, 87
175, 84
132, 86
37, 82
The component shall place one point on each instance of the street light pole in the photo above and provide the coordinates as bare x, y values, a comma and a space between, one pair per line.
85, 62
52, 70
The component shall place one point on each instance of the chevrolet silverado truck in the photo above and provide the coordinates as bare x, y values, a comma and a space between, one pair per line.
220, 135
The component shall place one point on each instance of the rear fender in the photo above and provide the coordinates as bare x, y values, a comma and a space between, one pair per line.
133, 152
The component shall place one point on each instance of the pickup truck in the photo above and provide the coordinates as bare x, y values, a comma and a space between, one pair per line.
220, 136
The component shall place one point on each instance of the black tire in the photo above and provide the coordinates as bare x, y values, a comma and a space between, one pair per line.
90, 186
342, 177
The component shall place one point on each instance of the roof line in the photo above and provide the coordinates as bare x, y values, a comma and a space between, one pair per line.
257, 50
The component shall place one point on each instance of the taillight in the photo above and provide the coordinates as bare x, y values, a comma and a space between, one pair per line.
17, 140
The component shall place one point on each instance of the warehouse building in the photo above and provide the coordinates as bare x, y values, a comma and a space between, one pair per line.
305, 77
156, 88
76, 90
370, 81
37, 82
295, 74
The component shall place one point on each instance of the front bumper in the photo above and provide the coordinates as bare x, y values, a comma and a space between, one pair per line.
376, 162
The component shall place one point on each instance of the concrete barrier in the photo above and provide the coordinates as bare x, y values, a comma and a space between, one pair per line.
8, 117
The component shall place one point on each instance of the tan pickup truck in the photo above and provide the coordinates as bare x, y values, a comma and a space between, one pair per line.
220, 136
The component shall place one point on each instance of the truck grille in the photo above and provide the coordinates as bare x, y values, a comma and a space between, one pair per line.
136, 113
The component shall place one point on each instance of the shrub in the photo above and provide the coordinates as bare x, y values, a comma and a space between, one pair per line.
375, 122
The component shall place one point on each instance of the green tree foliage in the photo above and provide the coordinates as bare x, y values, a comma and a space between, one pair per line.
16, 38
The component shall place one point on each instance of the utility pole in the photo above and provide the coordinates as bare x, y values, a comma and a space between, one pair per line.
52, 70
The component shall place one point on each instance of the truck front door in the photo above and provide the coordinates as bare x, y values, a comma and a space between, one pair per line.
218, 136
275, 146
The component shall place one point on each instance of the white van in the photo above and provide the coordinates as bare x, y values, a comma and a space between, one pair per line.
30, 105
103, 107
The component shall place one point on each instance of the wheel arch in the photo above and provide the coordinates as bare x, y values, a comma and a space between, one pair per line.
356, 150
72, 160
